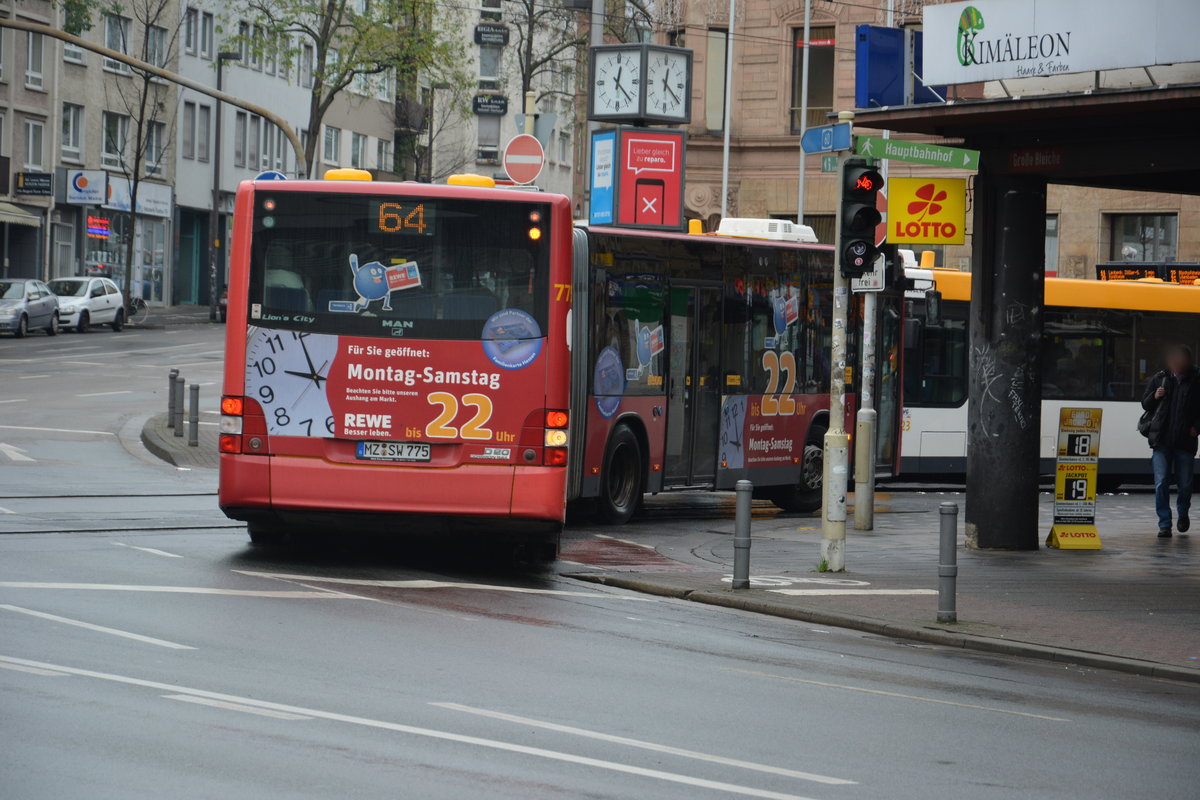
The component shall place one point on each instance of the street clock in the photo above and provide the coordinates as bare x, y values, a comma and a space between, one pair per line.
640, 83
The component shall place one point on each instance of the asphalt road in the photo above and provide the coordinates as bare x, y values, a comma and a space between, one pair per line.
147, 651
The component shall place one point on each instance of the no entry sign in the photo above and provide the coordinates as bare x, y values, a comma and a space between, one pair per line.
524, 158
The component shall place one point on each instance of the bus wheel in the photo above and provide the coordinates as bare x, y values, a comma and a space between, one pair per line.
265, 535
806, 494
622, 479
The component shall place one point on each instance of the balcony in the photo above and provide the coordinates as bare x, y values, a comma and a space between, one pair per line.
411, 115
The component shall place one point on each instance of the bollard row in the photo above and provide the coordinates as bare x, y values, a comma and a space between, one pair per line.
175, 405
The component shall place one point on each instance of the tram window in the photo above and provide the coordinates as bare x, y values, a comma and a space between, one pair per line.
1086, 354
1154, 332
936, 372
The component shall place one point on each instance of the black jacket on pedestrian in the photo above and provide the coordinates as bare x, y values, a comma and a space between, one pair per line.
1177, 414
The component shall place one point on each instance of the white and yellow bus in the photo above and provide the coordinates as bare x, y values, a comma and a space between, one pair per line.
1102, 341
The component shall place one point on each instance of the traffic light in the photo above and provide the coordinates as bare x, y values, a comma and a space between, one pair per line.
861, 183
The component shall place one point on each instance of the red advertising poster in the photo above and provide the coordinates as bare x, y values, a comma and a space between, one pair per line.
764, 430
650, 178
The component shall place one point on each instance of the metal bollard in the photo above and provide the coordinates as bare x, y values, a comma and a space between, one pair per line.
741, 535
948, 563
179, 406
171, 376
194, 415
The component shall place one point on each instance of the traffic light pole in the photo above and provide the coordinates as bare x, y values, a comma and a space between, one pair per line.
837, 442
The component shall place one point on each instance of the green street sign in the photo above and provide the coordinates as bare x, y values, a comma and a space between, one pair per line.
935, 154
829, 163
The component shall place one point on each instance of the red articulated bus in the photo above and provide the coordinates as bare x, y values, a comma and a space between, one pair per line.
410, 356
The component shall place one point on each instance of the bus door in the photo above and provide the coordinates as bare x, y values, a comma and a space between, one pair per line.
694, 392
888, 385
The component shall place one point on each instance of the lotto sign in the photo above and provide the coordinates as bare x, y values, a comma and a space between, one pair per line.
926, 210
1075, 480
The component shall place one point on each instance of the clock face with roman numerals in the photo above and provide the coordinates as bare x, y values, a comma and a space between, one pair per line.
286, 373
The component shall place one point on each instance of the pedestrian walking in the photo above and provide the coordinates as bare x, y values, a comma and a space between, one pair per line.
1171, 423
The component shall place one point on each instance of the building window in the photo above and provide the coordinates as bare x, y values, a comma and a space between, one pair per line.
333, 144
306, 66
489, 10
33, 61
820, 45
823, 225
116, 37
203, 113
187, 133
489, 65
1144, 237
383, 86
564, 148
360, 84
254, 139
191, 32
1051, 245
256, 48
489, 139
206, 35
34, 138
239, 139
383, 155
72, 131
358, 151
116, 133
156, 45
156, 145
243, 43
281, 146
714, 80
270, 54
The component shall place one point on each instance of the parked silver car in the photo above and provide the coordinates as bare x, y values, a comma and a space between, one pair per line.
88, 301
27, 305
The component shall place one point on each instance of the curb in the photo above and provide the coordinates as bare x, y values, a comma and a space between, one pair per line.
965, 641
150, 442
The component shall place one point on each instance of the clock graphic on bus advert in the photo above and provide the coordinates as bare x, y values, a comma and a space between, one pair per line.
287, 372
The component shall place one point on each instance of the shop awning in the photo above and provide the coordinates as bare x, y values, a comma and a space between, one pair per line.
16, 215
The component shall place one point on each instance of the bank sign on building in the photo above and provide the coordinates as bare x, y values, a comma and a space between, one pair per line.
987, 40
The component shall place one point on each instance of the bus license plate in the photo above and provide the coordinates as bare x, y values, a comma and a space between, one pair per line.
393, 451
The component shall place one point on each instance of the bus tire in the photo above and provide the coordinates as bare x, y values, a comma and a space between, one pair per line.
805, 496
266, 535
622, 480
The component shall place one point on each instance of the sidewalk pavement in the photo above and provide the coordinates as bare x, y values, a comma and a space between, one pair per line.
1133, 606
178, 315
162, 441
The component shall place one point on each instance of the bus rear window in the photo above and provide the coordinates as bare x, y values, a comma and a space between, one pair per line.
380, 265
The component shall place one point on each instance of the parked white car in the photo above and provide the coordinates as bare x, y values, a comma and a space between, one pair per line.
83, 302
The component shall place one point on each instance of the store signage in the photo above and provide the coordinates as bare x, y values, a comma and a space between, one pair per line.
491, 35
603, 179
987, 40
154, 199
1078, 451
495, 105
98, 227
649, 190
35, 183
926, 211
87, 187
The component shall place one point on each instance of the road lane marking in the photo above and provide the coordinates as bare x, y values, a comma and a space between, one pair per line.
426, 584
4, 510
16, 400
831, 592
34, 670
14, 453
899, 695
54, 430
658, 748
86, 363
148, 550
262, 712
30, 377
412, 730
116, 587
137, 637
104, 394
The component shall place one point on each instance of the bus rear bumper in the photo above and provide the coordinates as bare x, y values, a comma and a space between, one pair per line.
255, 488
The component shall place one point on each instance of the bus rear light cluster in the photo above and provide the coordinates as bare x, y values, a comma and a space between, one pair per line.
243, 427
556, 438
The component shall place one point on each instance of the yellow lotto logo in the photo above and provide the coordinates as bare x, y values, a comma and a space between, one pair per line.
927, 210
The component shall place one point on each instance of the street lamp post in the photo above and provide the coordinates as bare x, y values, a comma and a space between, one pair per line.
214, 216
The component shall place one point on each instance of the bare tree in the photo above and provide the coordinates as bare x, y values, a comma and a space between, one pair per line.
547, 38
149, 30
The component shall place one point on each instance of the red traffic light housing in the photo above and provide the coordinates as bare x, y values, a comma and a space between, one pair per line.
861, 184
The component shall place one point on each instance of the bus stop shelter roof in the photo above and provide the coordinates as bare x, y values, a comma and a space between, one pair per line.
1145, 139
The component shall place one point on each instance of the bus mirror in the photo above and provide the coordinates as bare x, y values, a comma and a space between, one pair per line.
933, 308
913, 328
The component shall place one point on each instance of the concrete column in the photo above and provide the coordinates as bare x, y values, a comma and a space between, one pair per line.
1004, 411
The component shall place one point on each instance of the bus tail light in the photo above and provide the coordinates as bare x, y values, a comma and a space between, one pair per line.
557, 419
554, 457
556, 438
